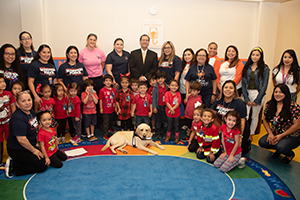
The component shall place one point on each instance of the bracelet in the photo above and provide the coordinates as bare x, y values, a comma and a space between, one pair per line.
214, 94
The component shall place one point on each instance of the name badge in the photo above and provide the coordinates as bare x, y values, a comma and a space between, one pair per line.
230, 140
127, 98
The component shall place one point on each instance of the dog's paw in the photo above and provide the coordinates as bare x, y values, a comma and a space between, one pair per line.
155, 153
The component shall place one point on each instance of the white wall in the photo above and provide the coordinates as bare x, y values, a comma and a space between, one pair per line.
189, 23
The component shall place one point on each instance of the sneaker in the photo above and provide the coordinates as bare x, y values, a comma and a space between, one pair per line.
74, 140
242, 162
78, 140
83, 135
186, 138
167, 139
63, 140
184, 127
93, 138
59, 140
176, 140
112, 131
9, 171
106, 137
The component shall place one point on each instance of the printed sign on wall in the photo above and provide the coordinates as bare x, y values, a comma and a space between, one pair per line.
155, 29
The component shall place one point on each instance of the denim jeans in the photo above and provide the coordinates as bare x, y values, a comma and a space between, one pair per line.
285, 146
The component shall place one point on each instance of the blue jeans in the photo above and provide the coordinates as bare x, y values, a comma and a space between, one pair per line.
285, 146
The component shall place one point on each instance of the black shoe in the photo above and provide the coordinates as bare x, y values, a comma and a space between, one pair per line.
286, 160
275, 155
9, 171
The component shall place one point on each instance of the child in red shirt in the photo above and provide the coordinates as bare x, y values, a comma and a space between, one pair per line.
193, 143
7, 105
142, 102
208, 139
89, 99
60, 109
107, 96
49, 142
159, 104
230, 141
152, 82
192, 101
74, 112
173, 101
47, 102
123, 103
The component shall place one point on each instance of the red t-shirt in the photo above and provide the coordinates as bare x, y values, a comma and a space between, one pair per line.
61, 108
47, 105
161, 95
90, 106
172, 100
150, 90
108, 97
195, 128
49, 140
191, 105
142, 104
6, 98
74, 107
229, 139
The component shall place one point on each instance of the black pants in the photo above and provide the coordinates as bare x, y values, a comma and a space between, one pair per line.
127, 123
161, 121
173, 122
61, 129
25, 162
71, 127
56, 159
107, 122
201, 155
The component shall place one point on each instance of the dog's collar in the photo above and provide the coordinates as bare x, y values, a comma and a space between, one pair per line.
136, 135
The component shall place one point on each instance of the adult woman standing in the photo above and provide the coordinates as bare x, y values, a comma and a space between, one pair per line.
93, 59
10, 65
117, 62
187, 59
25, 53
169, 62
284, 116
230, 69
204, 74
287, 72
21, 141
229, 101
41, 71
255, 79
72, 70
214, 60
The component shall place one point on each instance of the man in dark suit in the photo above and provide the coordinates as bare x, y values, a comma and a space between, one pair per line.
143, 62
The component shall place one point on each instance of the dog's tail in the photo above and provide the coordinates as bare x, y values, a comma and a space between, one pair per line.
106, 146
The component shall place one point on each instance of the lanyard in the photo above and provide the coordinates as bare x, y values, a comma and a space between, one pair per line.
284, 77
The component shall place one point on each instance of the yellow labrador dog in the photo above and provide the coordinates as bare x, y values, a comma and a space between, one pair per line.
140, 139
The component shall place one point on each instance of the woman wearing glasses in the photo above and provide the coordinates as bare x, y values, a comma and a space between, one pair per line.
24, 158
169, 62
10, 65
203, 73
25, 53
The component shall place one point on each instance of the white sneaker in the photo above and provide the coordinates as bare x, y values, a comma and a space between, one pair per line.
9, 171
242, 162
184, 127
63, 140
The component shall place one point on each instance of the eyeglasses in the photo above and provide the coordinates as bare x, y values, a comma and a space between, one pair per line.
201, 55
24, 39
9, 54
167, 47
23, 92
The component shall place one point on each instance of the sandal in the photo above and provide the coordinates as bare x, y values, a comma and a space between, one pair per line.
286, 160
167, 139
276, 154
176, 140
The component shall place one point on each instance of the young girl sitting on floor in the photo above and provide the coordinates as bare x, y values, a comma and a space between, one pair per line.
49, 142
230, 141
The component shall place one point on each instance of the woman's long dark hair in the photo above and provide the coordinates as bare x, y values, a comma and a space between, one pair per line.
15, 64
285, 112
260, 64
37, 55
22, 50
295, 66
